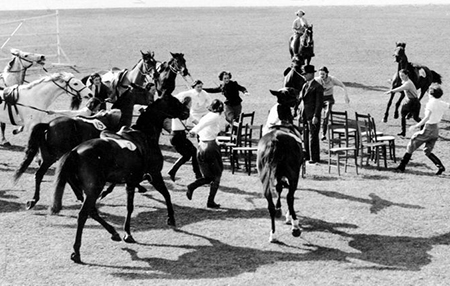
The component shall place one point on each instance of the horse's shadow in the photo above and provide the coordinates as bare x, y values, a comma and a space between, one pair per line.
216, 259
366, 87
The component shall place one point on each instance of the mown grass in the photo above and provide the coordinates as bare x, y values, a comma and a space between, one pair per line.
375, 228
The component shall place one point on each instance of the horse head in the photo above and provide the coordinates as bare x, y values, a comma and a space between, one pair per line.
307, 37
178, 64
166, 106
149, 64
287, 99
30, 58
74, 87
399, 53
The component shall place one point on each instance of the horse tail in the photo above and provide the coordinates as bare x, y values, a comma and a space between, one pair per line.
35, 142
268, 165
437, 78
65, 173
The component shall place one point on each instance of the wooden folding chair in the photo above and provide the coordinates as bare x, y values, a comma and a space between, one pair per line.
246, 147
339, 126
341, 131
384, 138
367, 147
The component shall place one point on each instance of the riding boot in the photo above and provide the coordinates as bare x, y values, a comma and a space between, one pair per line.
212, 194
403, 163
173, 171
192, 186
437, 162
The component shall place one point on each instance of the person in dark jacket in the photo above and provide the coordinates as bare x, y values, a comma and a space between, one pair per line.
230, 89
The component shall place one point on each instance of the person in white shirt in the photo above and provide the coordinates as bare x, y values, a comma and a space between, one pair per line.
298, 27
200, 102
434, 110
209, 156
412, 104
328, 82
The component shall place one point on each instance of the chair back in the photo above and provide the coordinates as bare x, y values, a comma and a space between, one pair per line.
338, 131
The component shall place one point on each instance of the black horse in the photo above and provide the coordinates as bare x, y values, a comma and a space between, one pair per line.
306, 47
59, 136
93, 163
279, 159
167, 73
420, 75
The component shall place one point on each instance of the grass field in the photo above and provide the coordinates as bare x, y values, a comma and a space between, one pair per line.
376, 228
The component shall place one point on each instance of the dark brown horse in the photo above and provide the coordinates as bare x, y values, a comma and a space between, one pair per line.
57, 137
420, 75
306, 47
279, 159
167, 73
93, 163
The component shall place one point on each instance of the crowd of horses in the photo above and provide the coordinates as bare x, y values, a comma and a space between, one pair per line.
90, 157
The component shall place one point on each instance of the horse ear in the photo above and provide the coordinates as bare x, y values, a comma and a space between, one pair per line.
275, 92
172, 54
14, 51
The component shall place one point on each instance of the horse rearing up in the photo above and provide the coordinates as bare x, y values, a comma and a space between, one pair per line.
279, 159
420, 75
91, 164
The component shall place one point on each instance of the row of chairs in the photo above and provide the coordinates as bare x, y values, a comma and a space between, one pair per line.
241, 142
357, 139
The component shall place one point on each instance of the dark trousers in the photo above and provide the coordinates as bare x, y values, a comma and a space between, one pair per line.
410, 107
187, 150
311, 140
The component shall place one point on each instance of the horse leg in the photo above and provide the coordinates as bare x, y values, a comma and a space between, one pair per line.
386, 113
160, 186
296, 231
18, 130
37, 181
81, 221
130, 208
397, 104
272, 212
4, 142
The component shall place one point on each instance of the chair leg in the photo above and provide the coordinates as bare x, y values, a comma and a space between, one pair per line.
384, 156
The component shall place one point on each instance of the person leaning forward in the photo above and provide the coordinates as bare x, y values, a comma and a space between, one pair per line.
311, 102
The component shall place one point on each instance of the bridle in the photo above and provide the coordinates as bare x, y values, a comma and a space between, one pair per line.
24, 67
68, 88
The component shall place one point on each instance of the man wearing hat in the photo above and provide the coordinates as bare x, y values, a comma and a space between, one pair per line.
434, 110
298, 27
311, 102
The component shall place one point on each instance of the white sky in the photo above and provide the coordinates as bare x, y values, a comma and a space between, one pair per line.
86, 4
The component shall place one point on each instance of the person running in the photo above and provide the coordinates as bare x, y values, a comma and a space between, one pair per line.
209, 156
230, 89
328, 82
434, 110
412, 104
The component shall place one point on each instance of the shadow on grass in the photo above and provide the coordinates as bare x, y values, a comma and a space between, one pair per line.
375, 202
366, 87
221, 260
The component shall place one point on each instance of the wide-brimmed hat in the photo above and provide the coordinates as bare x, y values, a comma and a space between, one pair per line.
299, 11
308, 69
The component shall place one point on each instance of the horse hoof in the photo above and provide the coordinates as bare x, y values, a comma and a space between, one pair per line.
296, 232
384, 120
31, 204
395, 115
76, 258
287, 222
274, 240
171, 222
6, 144
128, 238
278, 213
141, 189
116, 237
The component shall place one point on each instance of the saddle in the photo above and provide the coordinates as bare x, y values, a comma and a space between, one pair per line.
105, 119
291, 130
11, 97
126, 137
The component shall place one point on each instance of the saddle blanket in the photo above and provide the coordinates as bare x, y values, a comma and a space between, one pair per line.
124, 144
97, 123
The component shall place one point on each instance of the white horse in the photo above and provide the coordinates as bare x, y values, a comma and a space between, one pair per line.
14, 73
25, 105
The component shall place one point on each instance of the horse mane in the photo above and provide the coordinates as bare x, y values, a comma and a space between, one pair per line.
53, 77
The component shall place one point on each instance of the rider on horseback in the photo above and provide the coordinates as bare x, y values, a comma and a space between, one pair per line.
298, 27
